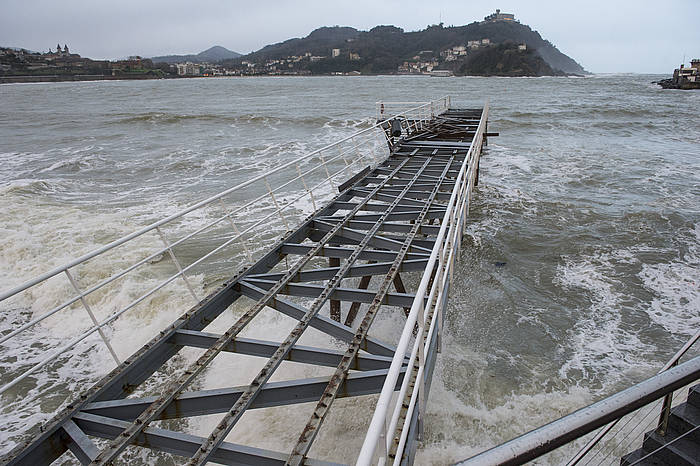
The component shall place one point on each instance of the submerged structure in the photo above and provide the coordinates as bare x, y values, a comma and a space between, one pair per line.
401, 216
387, 210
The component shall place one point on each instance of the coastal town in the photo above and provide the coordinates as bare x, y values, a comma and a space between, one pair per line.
18, 65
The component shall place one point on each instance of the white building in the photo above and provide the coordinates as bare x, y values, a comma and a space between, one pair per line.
335, 53
188, 69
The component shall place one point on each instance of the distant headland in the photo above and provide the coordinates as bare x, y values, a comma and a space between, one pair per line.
497, 46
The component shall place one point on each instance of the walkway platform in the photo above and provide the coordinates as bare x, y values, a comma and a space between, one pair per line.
386, 243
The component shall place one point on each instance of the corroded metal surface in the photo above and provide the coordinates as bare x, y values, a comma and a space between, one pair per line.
383, 223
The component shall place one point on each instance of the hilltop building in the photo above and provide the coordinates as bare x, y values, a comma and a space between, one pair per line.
498, 16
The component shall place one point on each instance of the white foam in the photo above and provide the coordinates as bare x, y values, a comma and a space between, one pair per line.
676, 288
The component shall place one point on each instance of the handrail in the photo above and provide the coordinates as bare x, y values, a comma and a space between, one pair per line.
442, 255
153, 226
603, 432
354, 153
562, 431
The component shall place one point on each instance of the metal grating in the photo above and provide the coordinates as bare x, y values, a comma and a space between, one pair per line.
385, 222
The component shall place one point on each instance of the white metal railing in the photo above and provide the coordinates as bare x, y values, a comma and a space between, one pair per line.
385, 423
310, 177
417, 119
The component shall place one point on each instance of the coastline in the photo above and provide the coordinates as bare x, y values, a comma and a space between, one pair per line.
63, 78
99, 77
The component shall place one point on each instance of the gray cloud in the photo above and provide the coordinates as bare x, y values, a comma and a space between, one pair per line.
604, 36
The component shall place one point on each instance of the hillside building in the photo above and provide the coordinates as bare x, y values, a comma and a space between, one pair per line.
335, 53
498, 16
188, 69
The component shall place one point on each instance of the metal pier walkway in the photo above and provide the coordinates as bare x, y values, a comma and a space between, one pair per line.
386, 243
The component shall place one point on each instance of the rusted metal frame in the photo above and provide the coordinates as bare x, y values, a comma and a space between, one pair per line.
219, 400
361, 192
337, 251
420, 194
377, 240
370, 207
183, 444
362, 270
388, 226
334, 262
392, 242
50, 443
309, 433
175, 387
310, 290
229, 420
264, 348
396, 216
386, 240
320, 322
426, 242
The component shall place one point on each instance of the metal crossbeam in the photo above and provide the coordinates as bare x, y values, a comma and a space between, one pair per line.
386, 220
221, 399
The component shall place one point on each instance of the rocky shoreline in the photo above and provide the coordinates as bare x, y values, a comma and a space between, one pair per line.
671, 84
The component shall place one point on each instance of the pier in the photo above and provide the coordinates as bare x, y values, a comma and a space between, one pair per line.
383, 242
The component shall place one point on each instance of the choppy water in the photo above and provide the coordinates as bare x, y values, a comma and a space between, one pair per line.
580, 275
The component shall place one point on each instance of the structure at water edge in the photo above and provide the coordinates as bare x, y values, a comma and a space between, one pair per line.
403, 215
683, 78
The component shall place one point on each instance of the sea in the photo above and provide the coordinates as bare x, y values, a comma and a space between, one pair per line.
579, 273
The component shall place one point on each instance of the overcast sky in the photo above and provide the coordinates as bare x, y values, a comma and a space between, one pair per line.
604, 36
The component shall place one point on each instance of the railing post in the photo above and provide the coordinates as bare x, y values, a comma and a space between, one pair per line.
238, 232
328, 173
662, 427
277, 206
311, 195
177, 264
92, 316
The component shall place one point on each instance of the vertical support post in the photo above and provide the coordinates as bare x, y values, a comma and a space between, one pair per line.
355, 306
328, 173
311, 195
277, 206
342, 155
177, 264
335, 304
237, 232
92, 316
662, 427
400, 288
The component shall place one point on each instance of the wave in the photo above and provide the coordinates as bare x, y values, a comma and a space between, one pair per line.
252, 119
28, 187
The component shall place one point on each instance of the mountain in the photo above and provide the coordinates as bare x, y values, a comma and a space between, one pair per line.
212, 55
384, 48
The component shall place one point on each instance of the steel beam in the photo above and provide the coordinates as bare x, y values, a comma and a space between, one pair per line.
183, 444
299, 353
219, 400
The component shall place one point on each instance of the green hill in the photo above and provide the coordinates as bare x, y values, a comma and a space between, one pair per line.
384, 48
